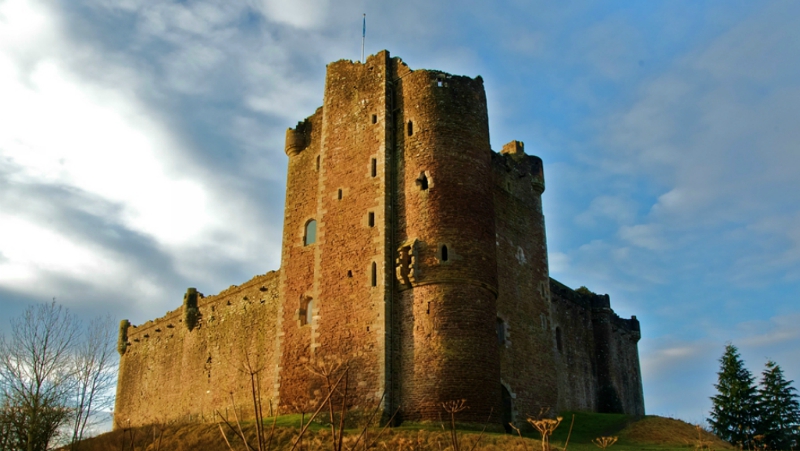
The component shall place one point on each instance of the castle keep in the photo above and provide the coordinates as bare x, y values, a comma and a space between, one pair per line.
410, 247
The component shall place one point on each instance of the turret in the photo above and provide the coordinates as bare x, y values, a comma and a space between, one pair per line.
297, 139
446, 237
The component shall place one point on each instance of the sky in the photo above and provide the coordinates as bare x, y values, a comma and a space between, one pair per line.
141, 152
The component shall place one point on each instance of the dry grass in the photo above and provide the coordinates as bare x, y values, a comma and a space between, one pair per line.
666, 431
206, 437
649, 433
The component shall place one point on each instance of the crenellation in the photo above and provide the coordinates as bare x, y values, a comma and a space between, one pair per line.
409, 247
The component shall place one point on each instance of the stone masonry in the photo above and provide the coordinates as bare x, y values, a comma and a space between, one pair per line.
411, 249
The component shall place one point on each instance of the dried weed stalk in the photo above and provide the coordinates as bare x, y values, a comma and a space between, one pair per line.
454, 407
604, 442
545, 426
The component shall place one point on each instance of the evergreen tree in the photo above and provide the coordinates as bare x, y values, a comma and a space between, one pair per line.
733, 413
778, 409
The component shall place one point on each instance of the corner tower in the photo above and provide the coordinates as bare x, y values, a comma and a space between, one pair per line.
446, 264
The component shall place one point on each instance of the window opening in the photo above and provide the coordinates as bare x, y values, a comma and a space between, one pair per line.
310, 236
374, 274
559, 345
371, 219
310, 311
444, 253
501, 332
439, 83
318, 162
422, 181
340, 194
374, 118
306, 307
410, 128
374, 167
349, 273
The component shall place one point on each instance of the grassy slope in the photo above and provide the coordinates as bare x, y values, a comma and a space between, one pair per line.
648, 433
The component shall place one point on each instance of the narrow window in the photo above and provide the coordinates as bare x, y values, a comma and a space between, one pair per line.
306, 305
410, 128
318, 162
371, 219
374, 274
422, 181
374, 118
374, 167
310, 311
311, 233
559, 345
349, 273
501, 332
340, 194
439, 83
444, 253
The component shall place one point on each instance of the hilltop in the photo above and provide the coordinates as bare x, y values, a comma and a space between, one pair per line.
635, 433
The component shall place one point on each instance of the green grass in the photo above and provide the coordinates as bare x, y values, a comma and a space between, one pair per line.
635, 433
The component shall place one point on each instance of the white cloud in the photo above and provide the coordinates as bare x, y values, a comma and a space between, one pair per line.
558, 261
618, 209
93, 136
648, 236
61, 131
305, 14
30, 248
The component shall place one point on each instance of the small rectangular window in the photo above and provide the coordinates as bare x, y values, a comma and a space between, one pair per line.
374, 167
340, 194
371, 219
374, 118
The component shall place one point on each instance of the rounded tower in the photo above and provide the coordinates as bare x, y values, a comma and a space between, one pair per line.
446, 264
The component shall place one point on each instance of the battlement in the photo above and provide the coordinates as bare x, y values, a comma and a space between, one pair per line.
130, 335
519, 166
592, 302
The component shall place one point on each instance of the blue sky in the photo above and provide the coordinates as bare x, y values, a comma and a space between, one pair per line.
141, 152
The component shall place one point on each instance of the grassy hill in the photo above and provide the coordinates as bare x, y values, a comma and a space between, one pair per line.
647, 433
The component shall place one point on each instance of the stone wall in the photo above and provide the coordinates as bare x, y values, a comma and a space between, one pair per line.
168, 372
597, 357
525, 340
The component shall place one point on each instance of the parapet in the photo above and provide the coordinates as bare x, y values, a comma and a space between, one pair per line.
516, 149
514, 159
630, 325
596, 303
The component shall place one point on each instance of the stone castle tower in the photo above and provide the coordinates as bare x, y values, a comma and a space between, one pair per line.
410, 247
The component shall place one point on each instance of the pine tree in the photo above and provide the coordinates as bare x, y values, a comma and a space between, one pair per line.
733, 413
778, 409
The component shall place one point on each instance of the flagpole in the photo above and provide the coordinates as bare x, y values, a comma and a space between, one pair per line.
363, 36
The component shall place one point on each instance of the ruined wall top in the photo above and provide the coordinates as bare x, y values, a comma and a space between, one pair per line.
595, 303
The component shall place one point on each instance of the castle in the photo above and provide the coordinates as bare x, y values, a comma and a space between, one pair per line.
410, 247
